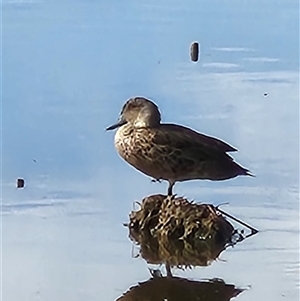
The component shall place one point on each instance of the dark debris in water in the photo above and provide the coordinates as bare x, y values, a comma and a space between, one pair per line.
194, 51
20, 183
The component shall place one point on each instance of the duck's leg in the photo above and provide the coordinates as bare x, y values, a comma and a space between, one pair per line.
168, 268
170, 188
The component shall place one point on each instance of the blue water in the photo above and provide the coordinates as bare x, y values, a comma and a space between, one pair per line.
67, 69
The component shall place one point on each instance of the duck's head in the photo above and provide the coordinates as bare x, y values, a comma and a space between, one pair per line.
139, 112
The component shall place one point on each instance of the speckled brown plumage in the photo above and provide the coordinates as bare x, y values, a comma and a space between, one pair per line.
168, 151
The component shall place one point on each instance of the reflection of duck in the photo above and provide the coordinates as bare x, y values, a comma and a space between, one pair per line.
178, 289
168, 151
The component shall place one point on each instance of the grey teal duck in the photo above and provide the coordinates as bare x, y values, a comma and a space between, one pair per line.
170, 152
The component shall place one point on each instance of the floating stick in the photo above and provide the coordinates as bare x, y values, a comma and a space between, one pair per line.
253, 230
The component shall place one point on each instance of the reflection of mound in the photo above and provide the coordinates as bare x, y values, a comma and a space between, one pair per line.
179, 289
179, 232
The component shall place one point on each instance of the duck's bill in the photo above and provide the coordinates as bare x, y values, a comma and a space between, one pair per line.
118, 124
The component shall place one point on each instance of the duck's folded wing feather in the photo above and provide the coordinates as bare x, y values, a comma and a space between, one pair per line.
182, 137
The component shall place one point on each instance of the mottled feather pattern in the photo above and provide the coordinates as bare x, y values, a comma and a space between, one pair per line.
164, 155
168, 151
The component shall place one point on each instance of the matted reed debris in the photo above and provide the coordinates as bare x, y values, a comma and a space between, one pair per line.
179, 232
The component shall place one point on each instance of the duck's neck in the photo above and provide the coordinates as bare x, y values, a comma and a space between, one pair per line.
149, 120
141, 124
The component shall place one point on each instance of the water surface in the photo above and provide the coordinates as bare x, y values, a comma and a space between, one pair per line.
69, 66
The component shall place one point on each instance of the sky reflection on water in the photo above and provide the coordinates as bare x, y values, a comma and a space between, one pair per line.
67, 70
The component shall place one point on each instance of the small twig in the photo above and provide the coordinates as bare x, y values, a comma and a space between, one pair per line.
155, 273
253, 230
251, 234
225, 203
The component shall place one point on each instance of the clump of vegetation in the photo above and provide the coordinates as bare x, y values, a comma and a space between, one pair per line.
179, 232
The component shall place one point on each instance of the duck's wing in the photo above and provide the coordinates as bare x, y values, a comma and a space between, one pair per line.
182, 137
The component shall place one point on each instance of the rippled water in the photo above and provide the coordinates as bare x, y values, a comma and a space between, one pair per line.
68, 67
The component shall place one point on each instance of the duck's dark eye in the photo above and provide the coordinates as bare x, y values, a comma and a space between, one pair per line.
131, 105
